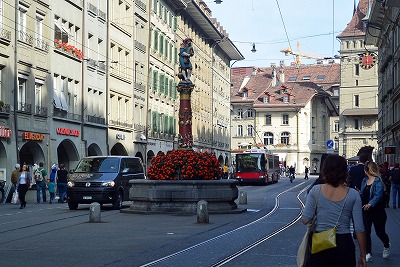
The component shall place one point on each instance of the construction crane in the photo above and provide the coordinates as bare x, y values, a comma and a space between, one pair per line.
298, 54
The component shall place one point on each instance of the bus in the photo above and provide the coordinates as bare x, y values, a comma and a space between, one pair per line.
257, 165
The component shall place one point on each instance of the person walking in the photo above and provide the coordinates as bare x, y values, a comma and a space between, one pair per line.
333, 203
373, 208
24, 179
14, 176
52, 190
40, 175
306, 173
225, 171
395, 180
356, 173
62, 177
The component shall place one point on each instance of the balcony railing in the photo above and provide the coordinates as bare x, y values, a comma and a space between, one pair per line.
24, 107
42, 45
140, 86
140, 46
42, 111
139, 127
5, 34
141, 5
120, 123
5, 108
102, 15
66, 115
94, 119
25, 37
92, 9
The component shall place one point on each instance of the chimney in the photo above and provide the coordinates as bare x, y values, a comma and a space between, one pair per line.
273, 83
254, 72
282, 75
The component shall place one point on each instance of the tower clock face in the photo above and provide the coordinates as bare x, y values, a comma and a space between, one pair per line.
367, 61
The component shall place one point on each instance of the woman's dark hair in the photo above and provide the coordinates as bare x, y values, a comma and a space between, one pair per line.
334, 170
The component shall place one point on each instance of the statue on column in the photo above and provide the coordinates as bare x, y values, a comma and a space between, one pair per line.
186, 51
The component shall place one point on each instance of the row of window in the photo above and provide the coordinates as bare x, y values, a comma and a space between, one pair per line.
164, 46
162, 123
163, 84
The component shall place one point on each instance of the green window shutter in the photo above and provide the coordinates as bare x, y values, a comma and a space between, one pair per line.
174, 90
174, 126
170, 20
175, 23
158, 121
154, 121
155, 77
171, 125
166, 90
156, 40
170, 88
166, 127
161, 90
165, 15
155, 6
161, 44
176, 55
160, 9
166, 48
170, 52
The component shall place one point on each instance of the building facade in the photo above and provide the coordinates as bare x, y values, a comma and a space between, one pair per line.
99, 78
358, 87
286, 109
383, 31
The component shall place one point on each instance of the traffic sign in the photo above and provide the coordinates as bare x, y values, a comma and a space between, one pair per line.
330, 143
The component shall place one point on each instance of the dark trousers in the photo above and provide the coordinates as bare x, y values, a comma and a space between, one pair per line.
378, 218
22, 189
344, 255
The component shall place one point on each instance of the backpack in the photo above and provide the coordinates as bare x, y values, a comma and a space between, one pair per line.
38, 175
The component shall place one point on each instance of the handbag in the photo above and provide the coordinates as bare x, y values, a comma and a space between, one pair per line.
304, 250
326, 239
15, 199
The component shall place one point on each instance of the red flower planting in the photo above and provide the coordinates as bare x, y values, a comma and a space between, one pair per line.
68, 48
184, 165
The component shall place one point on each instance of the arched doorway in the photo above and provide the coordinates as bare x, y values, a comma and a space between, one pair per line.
94, 150
118, 150
139, 155
67, 154
221, 160
31, 153
150, 155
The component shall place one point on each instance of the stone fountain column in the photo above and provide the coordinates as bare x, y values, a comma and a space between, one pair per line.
185, 137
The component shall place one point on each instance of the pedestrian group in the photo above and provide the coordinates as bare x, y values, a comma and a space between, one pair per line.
351, 200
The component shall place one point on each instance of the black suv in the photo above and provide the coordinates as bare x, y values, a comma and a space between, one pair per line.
103, 179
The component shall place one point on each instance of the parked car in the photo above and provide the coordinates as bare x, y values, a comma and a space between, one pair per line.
103, 179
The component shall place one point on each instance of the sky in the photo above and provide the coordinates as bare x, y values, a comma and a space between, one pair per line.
314, 23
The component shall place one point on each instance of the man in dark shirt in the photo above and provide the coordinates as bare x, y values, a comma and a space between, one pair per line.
356, 173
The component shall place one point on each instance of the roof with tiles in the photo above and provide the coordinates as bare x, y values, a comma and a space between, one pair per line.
356, 27
306, 81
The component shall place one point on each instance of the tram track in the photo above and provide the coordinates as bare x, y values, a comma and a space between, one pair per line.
245, 249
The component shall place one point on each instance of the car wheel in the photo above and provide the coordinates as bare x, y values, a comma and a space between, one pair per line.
117, 204
73, 205
1, 196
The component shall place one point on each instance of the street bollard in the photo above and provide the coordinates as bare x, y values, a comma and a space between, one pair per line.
202, 212
95, 212
243, 197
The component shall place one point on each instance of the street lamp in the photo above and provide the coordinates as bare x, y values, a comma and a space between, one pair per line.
254, 48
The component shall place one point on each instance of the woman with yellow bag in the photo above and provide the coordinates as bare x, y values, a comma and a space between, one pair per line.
334, 205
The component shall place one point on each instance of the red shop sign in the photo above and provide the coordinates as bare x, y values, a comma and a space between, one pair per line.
32, 136
67, 131
6, 133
